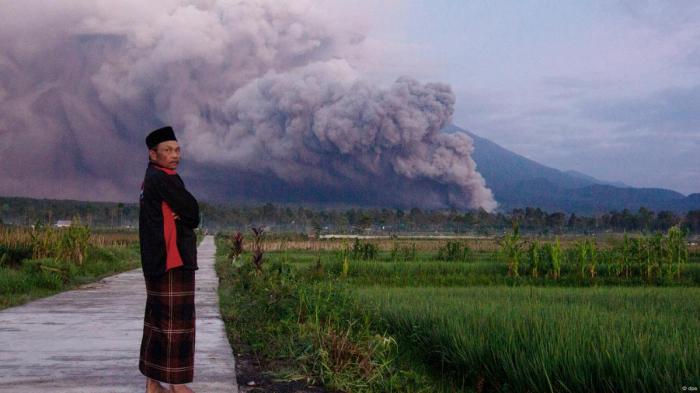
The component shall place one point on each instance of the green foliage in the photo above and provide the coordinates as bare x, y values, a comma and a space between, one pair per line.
548, 339
65, 244
676, 251
258, 250
403, 253
346, 268
299, 219
556, 258
454, 251
364, 250
482, 338
511, 247
11, 255
235, 246
314, 322
39, 277
655, 258
534, 257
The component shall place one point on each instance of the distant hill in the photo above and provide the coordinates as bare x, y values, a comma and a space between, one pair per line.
518, 182
593, 180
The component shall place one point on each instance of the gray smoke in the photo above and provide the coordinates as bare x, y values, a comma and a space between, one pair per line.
269, 100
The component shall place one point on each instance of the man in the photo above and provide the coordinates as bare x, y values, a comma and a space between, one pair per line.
168, 215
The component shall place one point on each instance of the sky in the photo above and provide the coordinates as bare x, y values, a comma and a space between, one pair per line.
338, 100
607, 88
270, 100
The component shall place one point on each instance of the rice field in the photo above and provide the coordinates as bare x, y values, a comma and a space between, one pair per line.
479, 328
550, 339
480, 268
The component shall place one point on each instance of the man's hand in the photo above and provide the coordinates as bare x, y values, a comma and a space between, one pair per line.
175, 216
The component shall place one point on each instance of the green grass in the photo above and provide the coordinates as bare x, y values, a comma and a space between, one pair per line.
464, 326
303, 326
28, 280
550, 339
308, 256
482, 269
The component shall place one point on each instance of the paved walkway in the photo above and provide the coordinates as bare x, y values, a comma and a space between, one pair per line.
87, 340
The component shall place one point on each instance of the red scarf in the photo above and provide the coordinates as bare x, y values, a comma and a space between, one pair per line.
173, 258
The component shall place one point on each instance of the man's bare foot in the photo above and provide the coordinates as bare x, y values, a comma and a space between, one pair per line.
180, 389
153, 386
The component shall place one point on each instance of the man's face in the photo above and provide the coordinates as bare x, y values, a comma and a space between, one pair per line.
166, 154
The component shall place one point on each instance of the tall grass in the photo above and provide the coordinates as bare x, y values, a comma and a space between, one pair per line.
483, 271
655, 258
301, 327
40, 261
509, 336
66, 244
549, 339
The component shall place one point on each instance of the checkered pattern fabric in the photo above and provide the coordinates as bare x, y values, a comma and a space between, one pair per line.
167, 346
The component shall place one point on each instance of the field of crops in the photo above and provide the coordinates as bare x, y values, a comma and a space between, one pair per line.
41, 261
459, 310
550, 339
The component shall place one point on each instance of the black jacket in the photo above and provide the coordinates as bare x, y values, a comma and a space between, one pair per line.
162, 190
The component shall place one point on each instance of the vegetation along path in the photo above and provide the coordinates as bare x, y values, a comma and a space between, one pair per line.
88, 339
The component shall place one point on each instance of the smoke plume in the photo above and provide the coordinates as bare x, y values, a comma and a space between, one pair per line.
269, 100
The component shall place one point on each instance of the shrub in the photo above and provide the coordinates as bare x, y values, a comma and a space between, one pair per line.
403, 253
364, 250
11, 256
454, 251
511, 248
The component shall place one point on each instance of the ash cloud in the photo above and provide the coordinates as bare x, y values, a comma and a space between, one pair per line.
268, 98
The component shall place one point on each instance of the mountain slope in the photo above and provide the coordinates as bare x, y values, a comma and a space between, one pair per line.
502, 168
519, 182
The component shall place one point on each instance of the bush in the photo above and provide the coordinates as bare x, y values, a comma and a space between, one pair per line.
70, 244
454, 251
314, 322
11, 256
364, 250
403, 253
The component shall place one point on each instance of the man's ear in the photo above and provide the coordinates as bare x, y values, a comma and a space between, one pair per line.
152, 154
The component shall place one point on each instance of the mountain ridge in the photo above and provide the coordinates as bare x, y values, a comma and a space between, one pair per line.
519, 182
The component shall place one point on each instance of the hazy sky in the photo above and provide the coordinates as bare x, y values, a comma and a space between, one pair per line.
268, 89
608, 88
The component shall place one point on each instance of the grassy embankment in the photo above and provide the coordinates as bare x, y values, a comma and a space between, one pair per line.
303, 325
42, 262
631, 326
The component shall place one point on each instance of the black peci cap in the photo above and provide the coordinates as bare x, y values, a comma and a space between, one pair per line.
160, 135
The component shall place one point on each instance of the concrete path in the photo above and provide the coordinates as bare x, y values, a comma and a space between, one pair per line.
87, 340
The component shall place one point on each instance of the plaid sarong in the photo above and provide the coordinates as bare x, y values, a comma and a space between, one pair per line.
167, 346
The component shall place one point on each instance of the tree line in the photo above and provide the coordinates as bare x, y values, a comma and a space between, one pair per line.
295, 218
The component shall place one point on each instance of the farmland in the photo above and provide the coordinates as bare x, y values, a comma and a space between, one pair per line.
38, 262
619, 318
544, 339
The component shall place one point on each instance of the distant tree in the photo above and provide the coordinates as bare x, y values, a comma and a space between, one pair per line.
645, 218
341, 222
120, 212
365, 221
666, 219
316, 228
415, 215
692, 219
556, 220
518, 214
534, 217
269, 211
